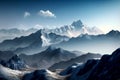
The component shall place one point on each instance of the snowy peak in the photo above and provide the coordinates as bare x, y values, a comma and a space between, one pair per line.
75, 29
77, 24
52, 38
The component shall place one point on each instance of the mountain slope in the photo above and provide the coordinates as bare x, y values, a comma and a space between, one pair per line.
104, 43
46, 40
14, 32
48, 57
33, 43
6, 55
43, 74
80, 59
21, 42
15, 63
107, 68
9, 74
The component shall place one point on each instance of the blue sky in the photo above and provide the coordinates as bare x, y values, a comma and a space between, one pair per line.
25, 14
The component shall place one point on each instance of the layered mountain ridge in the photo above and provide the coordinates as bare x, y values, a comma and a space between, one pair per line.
107, 68
48, 57
103, 43
80, 59
40, 40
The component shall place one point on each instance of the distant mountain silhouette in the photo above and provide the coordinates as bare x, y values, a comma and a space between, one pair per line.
6, 34
104, 43
22, 42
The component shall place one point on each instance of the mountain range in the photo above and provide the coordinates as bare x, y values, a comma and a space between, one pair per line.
15, 63
41, 39
103, 43
80, 59
75, 29
106, 68
47, 57
14, 32
33, 43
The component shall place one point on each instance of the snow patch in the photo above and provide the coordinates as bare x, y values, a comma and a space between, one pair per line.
46, 42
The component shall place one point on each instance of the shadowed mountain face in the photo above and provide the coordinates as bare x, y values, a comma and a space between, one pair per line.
22, 42
6, 55
14, 32
48, 57
34, 43
15, 63
105, 43
107, 68
43, 74
81, 59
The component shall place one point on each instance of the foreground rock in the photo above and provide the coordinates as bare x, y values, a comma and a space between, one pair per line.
107, 68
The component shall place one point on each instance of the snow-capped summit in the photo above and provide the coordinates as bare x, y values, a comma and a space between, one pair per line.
75, 29
77, 24
51, 38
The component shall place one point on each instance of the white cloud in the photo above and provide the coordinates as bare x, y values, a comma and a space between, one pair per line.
38, 26
23, 26
26, 14
46, 13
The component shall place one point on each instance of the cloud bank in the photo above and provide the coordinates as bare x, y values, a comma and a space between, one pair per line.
46, 13
38, 26
26, 14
